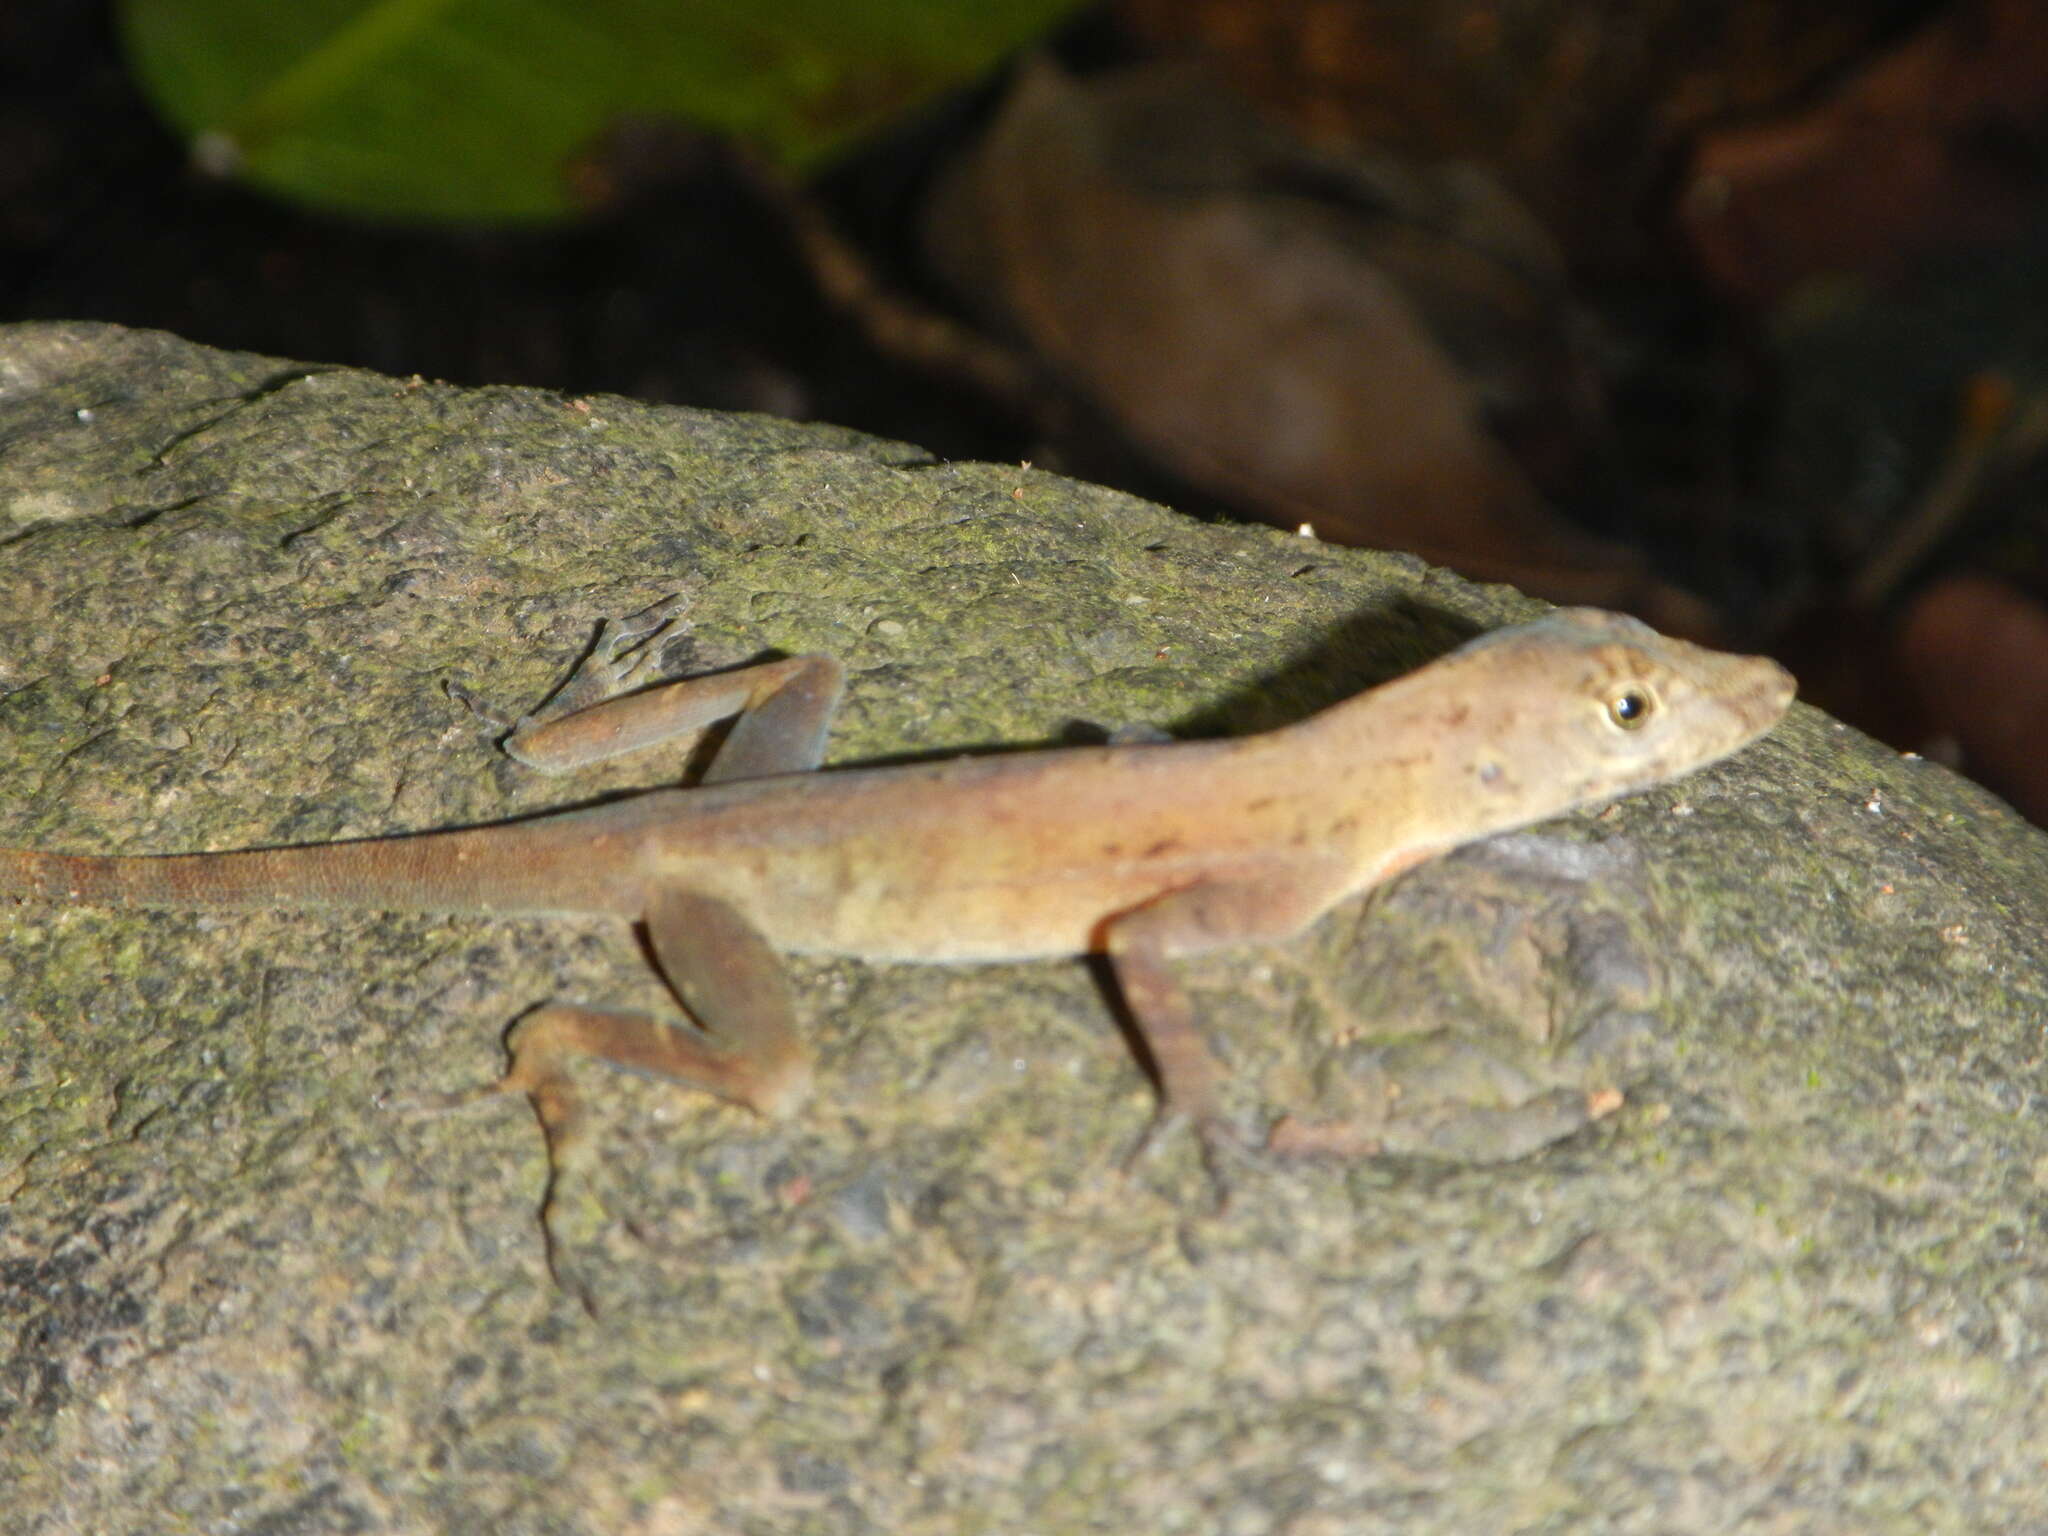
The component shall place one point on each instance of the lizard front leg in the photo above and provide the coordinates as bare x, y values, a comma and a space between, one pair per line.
1141, 945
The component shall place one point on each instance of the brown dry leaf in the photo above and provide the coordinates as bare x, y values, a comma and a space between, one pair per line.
1317, 341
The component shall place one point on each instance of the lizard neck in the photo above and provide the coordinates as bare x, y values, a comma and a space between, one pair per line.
1415, 767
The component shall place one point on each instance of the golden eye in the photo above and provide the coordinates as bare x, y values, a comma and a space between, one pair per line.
1631, 708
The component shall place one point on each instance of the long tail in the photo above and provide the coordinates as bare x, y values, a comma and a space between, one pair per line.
553, 864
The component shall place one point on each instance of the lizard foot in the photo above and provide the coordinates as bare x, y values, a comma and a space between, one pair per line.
624, 647
618, 658
536, 1074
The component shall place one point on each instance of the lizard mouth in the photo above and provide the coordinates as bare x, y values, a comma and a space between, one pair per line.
1760, 699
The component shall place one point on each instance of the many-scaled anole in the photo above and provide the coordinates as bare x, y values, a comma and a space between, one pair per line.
1140, 852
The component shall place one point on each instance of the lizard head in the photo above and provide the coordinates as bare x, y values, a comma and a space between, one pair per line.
1583, 705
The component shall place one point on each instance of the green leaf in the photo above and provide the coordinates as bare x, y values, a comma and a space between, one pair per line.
475, 109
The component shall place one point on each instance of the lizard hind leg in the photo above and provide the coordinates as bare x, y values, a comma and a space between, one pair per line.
781, 710
541, 1044
748, 1051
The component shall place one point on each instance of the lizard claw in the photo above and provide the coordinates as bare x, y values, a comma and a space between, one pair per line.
623, 648
1218, 1144
485, 715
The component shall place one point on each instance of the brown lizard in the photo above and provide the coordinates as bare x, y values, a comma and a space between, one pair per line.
1140, 852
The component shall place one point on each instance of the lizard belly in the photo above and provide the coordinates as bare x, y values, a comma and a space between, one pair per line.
985, 859
877, 916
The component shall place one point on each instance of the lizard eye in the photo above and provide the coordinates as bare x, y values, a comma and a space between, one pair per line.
1631, 708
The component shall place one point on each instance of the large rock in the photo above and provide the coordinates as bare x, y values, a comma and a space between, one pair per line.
1711, 1190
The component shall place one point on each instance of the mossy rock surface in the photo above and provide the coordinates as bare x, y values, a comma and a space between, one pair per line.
1711, 1182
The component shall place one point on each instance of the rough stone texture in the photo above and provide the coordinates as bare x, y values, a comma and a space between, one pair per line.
1715, 1196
